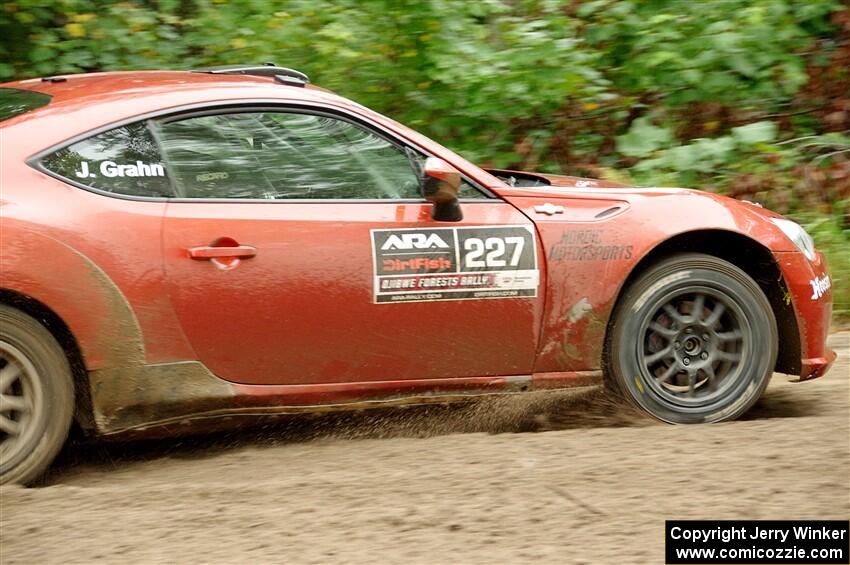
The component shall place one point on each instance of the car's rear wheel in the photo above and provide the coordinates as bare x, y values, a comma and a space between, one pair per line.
36, 397
693, 340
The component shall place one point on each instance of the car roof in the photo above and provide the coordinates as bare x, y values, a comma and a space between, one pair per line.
119, 85
82, 103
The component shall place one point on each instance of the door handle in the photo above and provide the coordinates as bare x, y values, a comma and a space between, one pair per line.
211, 252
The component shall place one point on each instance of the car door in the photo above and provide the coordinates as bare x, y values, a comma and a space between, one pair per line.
301, 252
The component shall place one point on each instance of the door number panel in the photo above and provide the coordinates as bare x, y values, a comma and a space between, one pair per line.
467, 263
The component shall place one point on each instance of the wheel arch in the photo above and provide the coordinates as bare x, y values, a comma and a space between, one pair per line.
60, 330
89, 302
748, 255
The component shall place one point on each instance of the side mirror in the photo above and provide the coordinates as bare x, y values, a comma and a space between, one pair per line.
440, 186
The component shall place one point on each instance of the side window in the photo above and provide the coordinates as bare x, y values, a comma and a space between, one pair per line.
277, 155
285, 155
124, 160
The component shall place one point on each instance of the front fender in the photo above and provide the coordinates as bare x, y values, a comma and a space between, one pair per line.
594, 239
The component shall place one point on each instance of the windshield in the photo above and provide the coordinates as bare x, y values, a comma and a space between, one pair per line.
14, 102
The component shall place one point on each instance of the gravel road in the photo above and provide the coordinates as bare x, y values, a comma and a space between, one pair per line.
566, 478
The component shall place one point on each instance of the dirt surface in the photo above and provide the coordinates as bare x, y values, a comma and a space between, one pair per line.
471, 484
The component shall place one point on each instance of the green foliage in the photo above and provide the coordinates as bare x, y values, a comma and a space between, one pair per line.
643, 139
727, 51
746, 97
757, 132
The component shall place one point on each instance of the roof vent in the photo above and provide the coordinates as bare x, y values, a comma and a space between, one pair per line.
283, 75
288, 80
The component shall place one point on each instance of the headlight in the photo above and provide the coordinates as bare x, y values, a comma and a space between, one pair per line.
797, 235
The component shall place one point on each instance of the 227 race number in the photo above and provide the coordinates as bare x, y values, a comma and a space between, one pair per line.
495, 248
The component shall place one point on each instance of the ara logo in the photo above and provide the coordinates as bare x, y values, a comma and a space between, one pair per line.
414, 241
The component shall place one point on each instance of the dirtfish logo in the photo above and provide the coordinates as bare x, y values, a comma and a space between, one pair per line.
820, 286
111, 169
414, 241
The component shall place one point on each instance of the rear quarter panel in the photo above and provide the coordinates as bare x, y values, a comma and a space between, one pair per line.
40, 267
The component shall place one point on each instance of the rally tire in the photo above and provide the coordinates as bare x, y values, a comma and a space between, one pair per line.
693, 340
36, 397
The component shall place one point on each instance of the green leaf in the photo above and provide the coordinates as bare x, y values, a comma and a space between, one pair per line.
758, 132
643, 138
41, 53
682, 158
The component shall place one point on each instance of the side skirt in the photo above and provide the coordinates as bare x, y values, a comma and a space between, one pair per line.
140, 399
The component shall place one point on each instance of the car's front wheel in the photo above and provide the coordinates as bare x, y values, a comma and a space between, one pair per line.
693, 340
36, 397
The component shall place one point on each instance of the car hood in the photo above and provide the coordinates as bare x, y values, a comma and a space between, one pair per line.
546, 186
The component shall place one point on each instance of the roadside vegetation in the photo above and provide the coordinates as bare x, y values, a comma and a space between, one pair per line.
749, 98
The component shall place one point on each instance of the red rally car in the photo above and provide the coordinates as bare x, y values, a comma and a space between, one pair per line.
186, 248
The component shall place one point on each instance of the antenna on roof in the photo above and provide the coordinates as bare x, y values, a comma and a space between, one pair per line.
283, 75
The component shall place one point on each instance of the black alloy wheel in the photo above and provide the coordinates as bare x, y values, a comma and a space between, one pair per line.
693, 340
